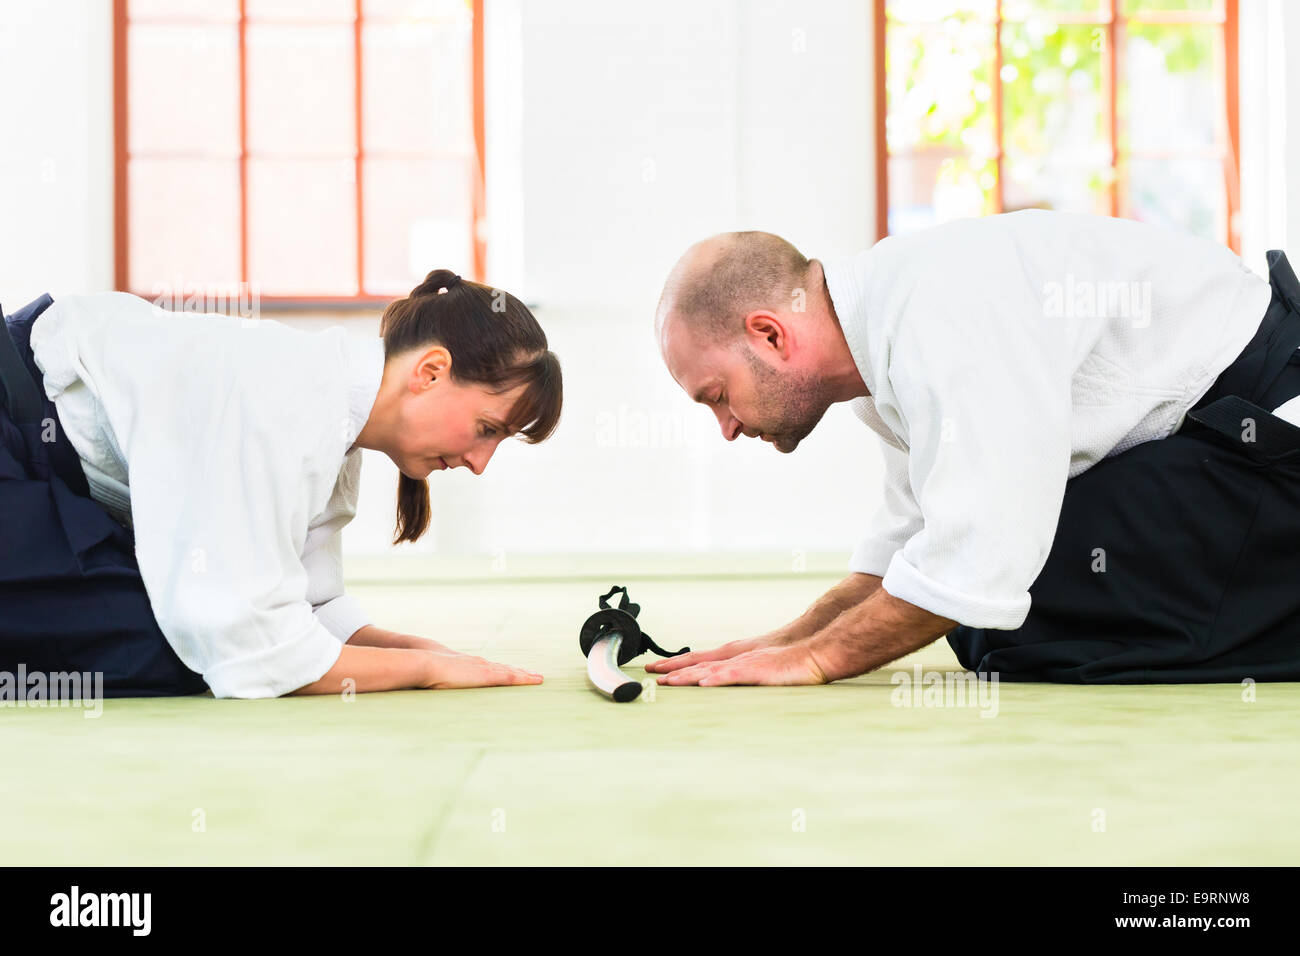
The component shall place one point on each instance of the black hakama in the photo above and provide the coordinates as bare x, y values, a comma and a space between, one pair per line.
71, 596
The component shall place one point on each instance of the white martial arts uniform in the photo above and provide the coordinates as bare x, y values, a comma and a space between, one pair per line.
1007, 354
226, 444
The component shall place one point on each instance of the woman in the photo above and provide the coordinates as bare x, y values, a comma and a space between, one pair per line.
171, 506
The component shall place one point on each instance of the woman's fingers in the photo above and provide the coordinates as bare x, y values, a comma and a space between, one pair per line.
518, 675
463, 670
499, 675
505, 674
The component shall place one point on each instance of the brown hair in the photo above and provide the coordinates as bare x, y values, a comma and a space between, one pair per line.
495, 342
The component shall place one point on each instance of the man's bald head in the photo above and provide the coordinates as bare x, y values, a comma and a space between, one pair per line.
722, 279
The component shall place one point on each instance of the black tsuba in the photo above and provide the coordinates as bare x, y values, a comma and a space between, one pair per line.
623, 620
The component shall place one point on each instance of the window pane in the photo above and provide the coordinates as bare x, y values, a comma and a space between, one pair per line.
301, 140
300, 90
312, 11
1056, 181
937, 185
1171, 96
930, 11
1057, 151
302, 235
939, 87
940, 122
417, 219
442, 11
226, 10
416, 80
1047, 9
1185, 194
1141, 6
184, 218
183, 87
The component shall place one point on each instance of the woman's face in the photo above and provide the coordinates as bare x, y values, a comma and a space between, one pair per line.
446, 424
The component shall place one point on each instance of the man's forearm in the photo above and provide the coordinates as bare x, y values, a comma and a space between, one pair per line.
878, 630
847, 594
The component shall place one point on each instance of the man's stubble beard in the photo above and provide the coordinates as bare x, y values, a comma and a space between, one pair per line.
793, 404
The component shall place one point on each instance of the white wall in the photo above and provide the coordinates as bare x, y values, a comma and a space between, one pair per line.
646, 127
1285, 40
56, 148
1270, 146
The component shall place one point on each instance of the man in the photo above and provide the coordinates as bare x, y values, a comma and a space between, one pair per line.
1084, 480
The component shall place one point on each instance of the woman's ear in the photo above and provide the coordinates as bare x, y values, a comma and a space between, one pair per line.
429, 367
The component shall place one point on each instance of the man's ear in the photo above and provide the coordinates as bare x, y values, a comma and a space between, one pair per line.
766, 330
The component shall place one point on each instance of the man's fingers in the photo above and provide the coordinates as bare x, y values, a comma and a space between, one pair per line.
669, 664
690, 675
763, 666
725, 676
676, 663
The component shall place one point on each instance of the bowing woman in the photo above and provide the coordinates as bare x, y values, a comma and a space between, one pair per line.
173, 486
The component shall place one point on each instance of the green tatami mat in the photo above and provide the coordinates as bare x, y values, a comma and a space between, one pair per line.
1187, 774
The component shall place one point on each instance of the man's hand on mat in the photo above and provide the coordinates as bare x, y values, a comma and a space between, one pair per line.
450, 670
847, 594
778, 638
790, 664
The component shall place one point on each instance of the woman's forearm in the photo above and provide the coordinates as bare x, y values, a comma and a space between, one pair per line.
372, 636
373, 669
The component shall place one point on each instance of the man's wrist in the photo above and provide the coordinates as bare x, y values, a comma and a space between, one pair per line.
838, 655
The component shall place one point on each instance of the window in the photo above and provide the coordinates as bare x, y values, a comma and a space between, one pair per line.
1117, 107
320, 152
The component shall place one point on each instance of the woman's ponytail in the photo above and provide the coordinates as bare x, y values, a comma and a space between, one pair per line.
412, 508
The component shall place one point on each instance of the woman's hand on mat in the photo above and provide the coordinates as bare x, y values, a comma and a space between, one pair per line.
449, 669
781, 664
778, 638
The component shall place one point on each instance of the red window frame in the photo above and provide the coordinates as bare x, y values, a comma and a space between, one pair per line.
1111, 19
121, 157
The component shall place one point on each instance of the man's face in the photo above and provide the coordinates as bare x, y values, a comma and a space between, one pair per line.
750, 391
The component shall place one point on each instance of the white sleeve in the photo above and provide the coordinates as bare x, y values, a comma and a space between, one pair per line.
897, 519
216, 502
988, 414
322, 556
